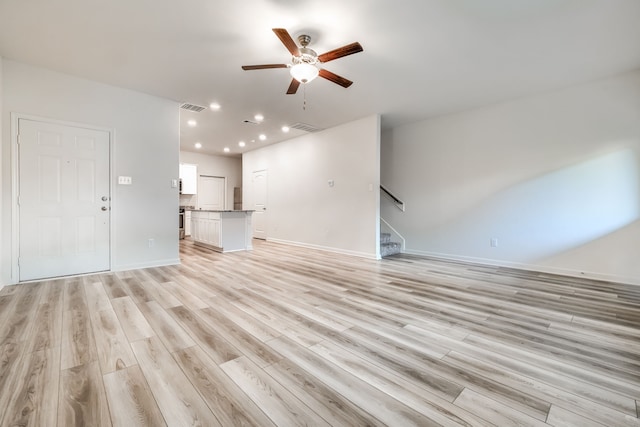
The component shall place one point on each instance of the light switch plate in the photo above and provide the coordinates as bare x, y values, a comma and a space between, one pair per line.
124, 180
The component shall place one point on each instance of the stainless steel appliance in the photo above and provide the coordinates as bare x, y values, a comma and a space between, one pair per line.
181, 222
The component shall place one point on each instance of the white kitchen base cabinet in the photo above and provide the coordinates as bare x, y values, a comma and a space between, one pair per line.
187, 223
223, 231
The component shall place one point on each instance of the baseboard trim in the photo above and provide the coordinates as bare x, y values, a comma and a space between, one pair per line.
157, 263
324, 248
529, 267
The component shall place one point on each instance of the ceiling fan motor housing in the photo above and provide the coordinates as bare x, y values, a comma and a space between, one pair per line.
307, 56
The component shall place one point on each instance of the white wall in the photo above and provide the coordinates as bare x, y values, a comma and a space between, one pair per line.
146, 147
2, 233
302, 208
228, 167
555, 178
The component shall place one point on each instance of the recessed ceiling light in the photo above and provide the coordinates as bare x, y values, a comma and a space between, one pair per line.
259, 117
198, 145
241, 144
214, 106
192, 122
226, 149
285, 129
262, 137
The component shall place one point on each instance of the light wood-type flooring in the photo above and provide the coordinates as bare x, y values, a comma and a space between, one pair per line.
289, 336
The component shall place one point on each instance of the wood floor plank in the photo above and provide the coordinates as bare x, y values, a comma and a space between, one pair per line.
166, 328
133, 322
213, 343
380, 405
250, 324
529, 366
178, 400
18, 322
114, 352
272, 318
113, 286
591, 407
47, 330
10, 360
97, 298
130, 399
279, 404
325, 401
160, 294
629, 389
82, 400
222, 395
136, 290
498, 413
78, 343
74, 295
34, 399
186, 297
254, 349
559, 417
403, 390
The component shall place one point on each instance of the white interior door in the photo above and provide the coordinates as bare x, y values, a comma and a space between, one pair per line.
259, 187
211, 192
63, 200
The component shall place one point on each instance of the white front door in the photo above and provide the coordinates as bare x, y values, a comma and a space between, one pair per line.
259, 187
211, 194
63, 200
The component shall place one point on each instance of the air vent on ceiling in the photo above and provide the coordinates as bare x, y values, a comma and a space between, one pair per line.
192, 107
305, 127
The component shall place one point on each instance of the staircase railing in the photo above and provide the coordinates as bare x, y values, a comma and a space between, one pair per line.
397, 202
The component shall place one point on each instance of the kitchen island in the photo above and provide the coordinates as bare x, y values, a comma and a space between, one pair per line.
223, 231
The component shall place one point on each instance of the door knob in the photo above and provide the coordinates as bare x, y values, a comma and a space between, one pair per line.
105, 198
104, 208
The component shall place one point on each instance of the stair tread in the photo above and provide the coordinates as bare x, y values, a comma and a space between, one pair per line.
390, 248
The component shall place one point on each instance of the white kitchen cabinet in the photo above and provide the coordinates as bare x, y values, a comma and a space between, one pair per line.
187, 223
188, 178
223, 231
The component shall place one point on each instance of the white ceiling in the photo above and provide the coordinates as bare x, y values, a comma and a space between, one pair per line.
421, 58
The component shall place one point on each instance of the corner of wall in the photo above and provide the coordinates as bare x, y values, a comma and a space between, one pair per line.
3, 264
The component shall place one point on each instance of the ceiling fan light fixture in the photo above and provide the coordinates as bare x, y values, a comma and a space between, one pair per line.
304, 72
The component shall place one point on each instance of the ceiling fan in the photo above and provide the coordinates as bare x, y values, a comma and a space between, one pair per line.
306, 62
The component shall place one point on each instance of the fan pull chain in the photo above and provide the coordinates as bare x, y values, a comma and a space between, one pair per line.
304, 97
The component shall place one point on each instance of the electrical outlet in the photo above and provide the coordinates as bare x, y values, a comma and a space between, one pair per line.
494, 242
152, 242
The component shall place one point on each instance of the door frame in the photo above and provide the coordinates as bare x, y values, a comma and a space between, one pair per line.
15, 184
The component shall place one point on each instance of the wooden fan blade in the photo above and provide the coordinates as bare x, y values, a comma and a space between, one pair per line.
287, 41
293, 87
263, 67
349, 49
335, 78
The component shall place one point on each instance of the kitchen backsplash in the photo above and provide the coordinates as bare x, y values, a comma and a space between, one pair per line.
188, 200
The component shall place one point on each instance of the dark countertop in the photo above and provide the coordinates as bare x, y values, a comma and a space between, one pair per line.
218, 210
